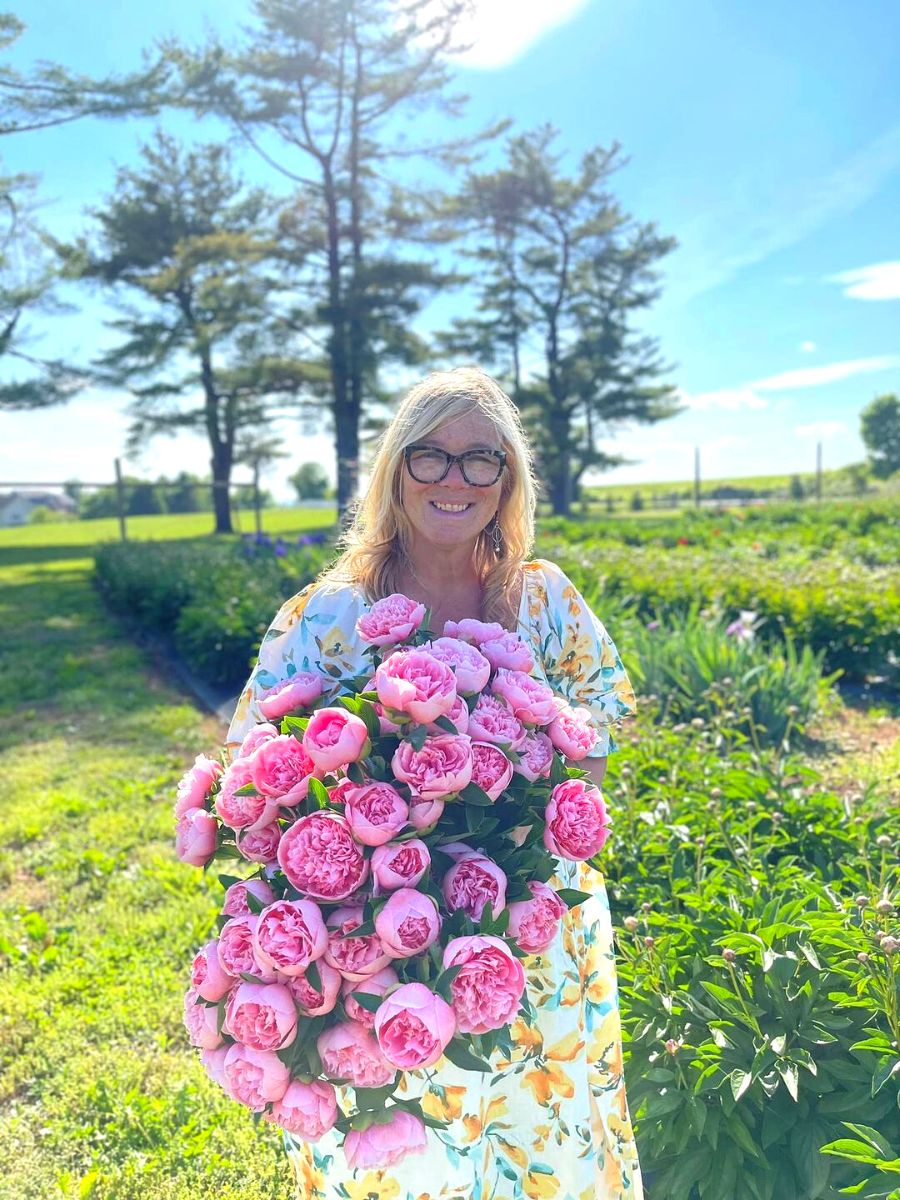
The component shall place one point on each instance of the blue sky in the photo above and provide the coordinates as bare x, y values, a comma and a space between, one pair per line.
765, 137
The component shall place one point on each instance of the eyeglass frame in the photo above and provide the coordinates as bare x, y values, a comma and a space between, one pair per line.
500, 455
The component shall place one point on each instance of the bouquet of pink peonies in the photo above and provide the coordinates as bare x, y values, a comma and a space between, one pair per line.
403, 838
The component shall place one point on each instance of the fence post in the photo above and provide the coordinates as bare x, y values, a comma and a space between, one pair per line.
696, 476
120, 501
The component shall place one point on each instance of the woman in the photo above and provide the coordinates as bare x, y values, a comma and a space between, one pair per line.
448, 519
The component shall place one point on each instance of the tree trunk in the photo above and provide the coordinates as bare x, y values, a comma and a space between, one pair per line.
346, 423
221, 473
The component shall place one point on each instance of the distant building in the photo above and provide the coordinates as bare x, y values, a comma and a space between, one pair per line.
16, 507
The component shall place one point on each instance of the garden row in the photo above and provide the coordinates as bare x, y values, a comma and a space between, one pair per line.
838, 604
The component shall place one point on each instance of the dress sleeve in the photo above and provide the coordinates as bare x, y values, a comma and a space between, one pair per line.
581, 660
313, 631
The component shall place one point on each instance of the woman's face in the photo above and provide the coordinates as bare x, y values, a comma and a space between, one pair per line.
452, 513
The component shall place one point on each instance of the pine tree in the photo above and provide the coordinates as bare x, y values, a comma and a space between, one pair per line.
188, 247
323, 89
561, 270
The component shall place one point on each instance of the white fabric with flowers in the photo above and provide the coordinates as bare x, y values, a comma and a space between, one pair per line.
551, 1122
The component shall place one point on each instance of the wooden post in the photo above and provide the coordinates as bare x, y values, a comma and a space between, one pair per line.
696, 476
120, 501
818, 470
256, 502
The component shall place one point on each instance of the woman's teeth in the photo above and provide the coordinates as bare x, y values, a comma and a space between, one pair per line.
451, 508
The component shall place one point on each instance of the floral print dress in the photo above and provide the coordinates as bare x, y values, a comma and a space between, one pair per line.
551, 1122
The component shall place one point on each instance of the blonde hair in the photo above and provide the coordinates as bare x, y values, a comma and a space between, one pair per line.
375, 547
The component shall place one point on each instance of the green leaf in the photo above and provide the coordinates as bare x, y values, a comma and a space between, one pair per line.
573, 897
461, 1056
447, 725
318, 792
887, 1069
313, 978
740, 1082
473, 794
368, 1001
789, 1073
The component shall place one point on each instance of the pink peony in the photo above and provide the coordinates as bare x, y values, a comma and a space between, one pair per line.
375, 985
253, 811
413, 1026
473, 882
255, 738
235, 903
261, 1016
201, 1022
255, 1077
385, 1145
236, 949
492, 720
470, 630
355, 958
458, 716
289, 935
195, 837
282, 769
400, 864
307, 1110
349, 1051
316, 1002
376, 813
470, 668
532, 701
441, 768
196, 784
390, 620
485, 994
408, 923
208, 976
214, 1064
289, 695
535, 757
577, 822
340, 791
573, 733
491, 769
261, 845
334, 737
321, 858
508, 652
416, 683
534, 923
424, 813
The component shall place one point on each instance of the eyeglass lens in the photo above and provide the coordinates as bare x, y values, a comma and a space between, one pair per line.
431, 465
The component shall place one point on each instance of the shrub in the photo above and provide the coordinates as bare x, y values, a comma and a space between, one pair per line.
214, 599
699, 670
759, 997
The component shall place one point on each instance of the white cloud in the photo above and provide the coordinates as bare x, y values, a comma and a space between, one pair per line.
771, 213
878, 281
806, 377
820, 430
497, 32
729, 399
807, 347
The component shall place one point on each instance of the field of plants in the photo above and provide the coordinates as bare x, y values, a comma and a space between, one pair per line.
753, 873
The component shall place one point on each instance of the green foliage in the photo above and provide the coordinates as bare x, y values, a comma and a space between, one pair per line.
310, 481
798, 572
698, 671
560, 271
759, 996
880, 431
214, 599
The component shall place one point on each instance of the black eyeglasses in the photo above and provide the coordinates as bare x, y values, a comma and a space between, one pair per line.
430, 464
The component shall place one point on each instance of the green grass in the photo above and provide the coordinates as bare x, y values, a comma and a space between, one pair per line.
100, 1094
275, 521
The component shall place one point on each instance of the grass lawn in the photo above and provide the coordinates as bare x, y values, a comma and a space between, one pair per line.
100, 1095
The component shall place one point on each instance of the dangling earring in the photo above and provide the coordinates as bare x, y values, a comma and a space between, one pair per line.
496, 535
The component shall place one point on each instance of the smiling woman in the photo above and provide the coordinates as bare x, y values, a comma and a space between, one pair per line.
448, 520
